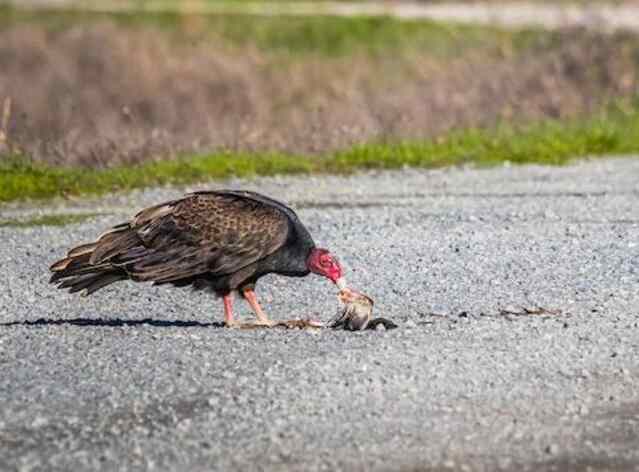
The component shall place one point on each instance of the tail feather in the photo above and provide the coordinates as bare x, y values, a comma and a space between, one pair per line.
90, 267
104, 280
69, 266
81, 270
92, 282
78, 282
112, 244
82, 249
65, 264
60, 265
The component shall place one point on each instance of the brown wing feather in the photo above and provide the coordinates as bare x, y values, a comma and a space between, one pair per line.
215, 233
202, 233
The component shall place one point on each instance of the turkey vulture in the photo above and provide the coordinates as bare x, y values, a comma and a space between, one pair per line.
218, 240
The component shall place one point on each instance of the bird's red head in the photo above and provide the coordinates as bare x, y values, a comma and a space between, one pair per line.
322, 262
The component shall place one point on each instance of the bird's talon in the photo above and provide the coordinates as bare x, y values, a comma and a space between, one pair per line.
265, 323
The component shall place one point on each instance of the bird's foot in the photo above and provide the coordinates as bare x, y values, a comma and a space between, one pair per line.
251, 324
264, 323
232, 324
300, 324
290, 324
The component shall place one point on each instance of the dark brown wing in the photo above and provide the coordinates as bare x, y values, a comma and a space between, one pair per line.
213, 233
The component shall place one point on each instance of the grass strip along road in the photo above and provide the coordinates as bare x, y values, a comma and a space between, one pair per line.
614, 132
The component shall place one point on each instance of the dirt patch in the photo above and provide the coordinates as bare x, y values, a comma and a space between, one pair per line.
102, 94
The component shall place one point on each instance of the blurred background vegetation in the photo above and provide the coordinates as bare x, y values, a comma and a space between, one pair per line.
101, 101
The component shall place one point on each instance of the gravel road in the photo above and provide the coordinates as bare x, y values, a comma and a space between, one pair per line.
140, 378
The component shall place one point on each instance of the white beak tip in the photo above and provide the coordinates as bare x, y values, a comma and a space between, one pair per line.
341, 283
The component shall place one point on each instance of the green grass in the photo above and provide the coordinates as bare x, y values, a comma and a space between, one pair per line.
554, 143
325, 36
334, 37
60, 219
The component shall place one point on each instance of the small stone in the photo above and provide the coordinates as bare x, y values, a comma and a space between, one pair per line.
39, 422
552, 449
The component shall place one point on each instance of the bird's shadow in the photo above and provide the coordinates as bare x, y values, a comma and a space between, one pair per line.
115, 323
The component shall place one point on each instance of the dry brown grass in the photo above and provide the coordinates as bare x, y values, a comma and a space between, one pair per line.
101, 94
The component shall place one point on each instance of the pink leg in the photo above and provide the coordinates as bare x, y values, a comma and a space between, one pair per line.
250, 297
228, 309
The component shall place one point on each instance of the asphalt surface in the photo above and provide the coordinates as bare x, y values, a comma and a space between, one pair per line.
139, 378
